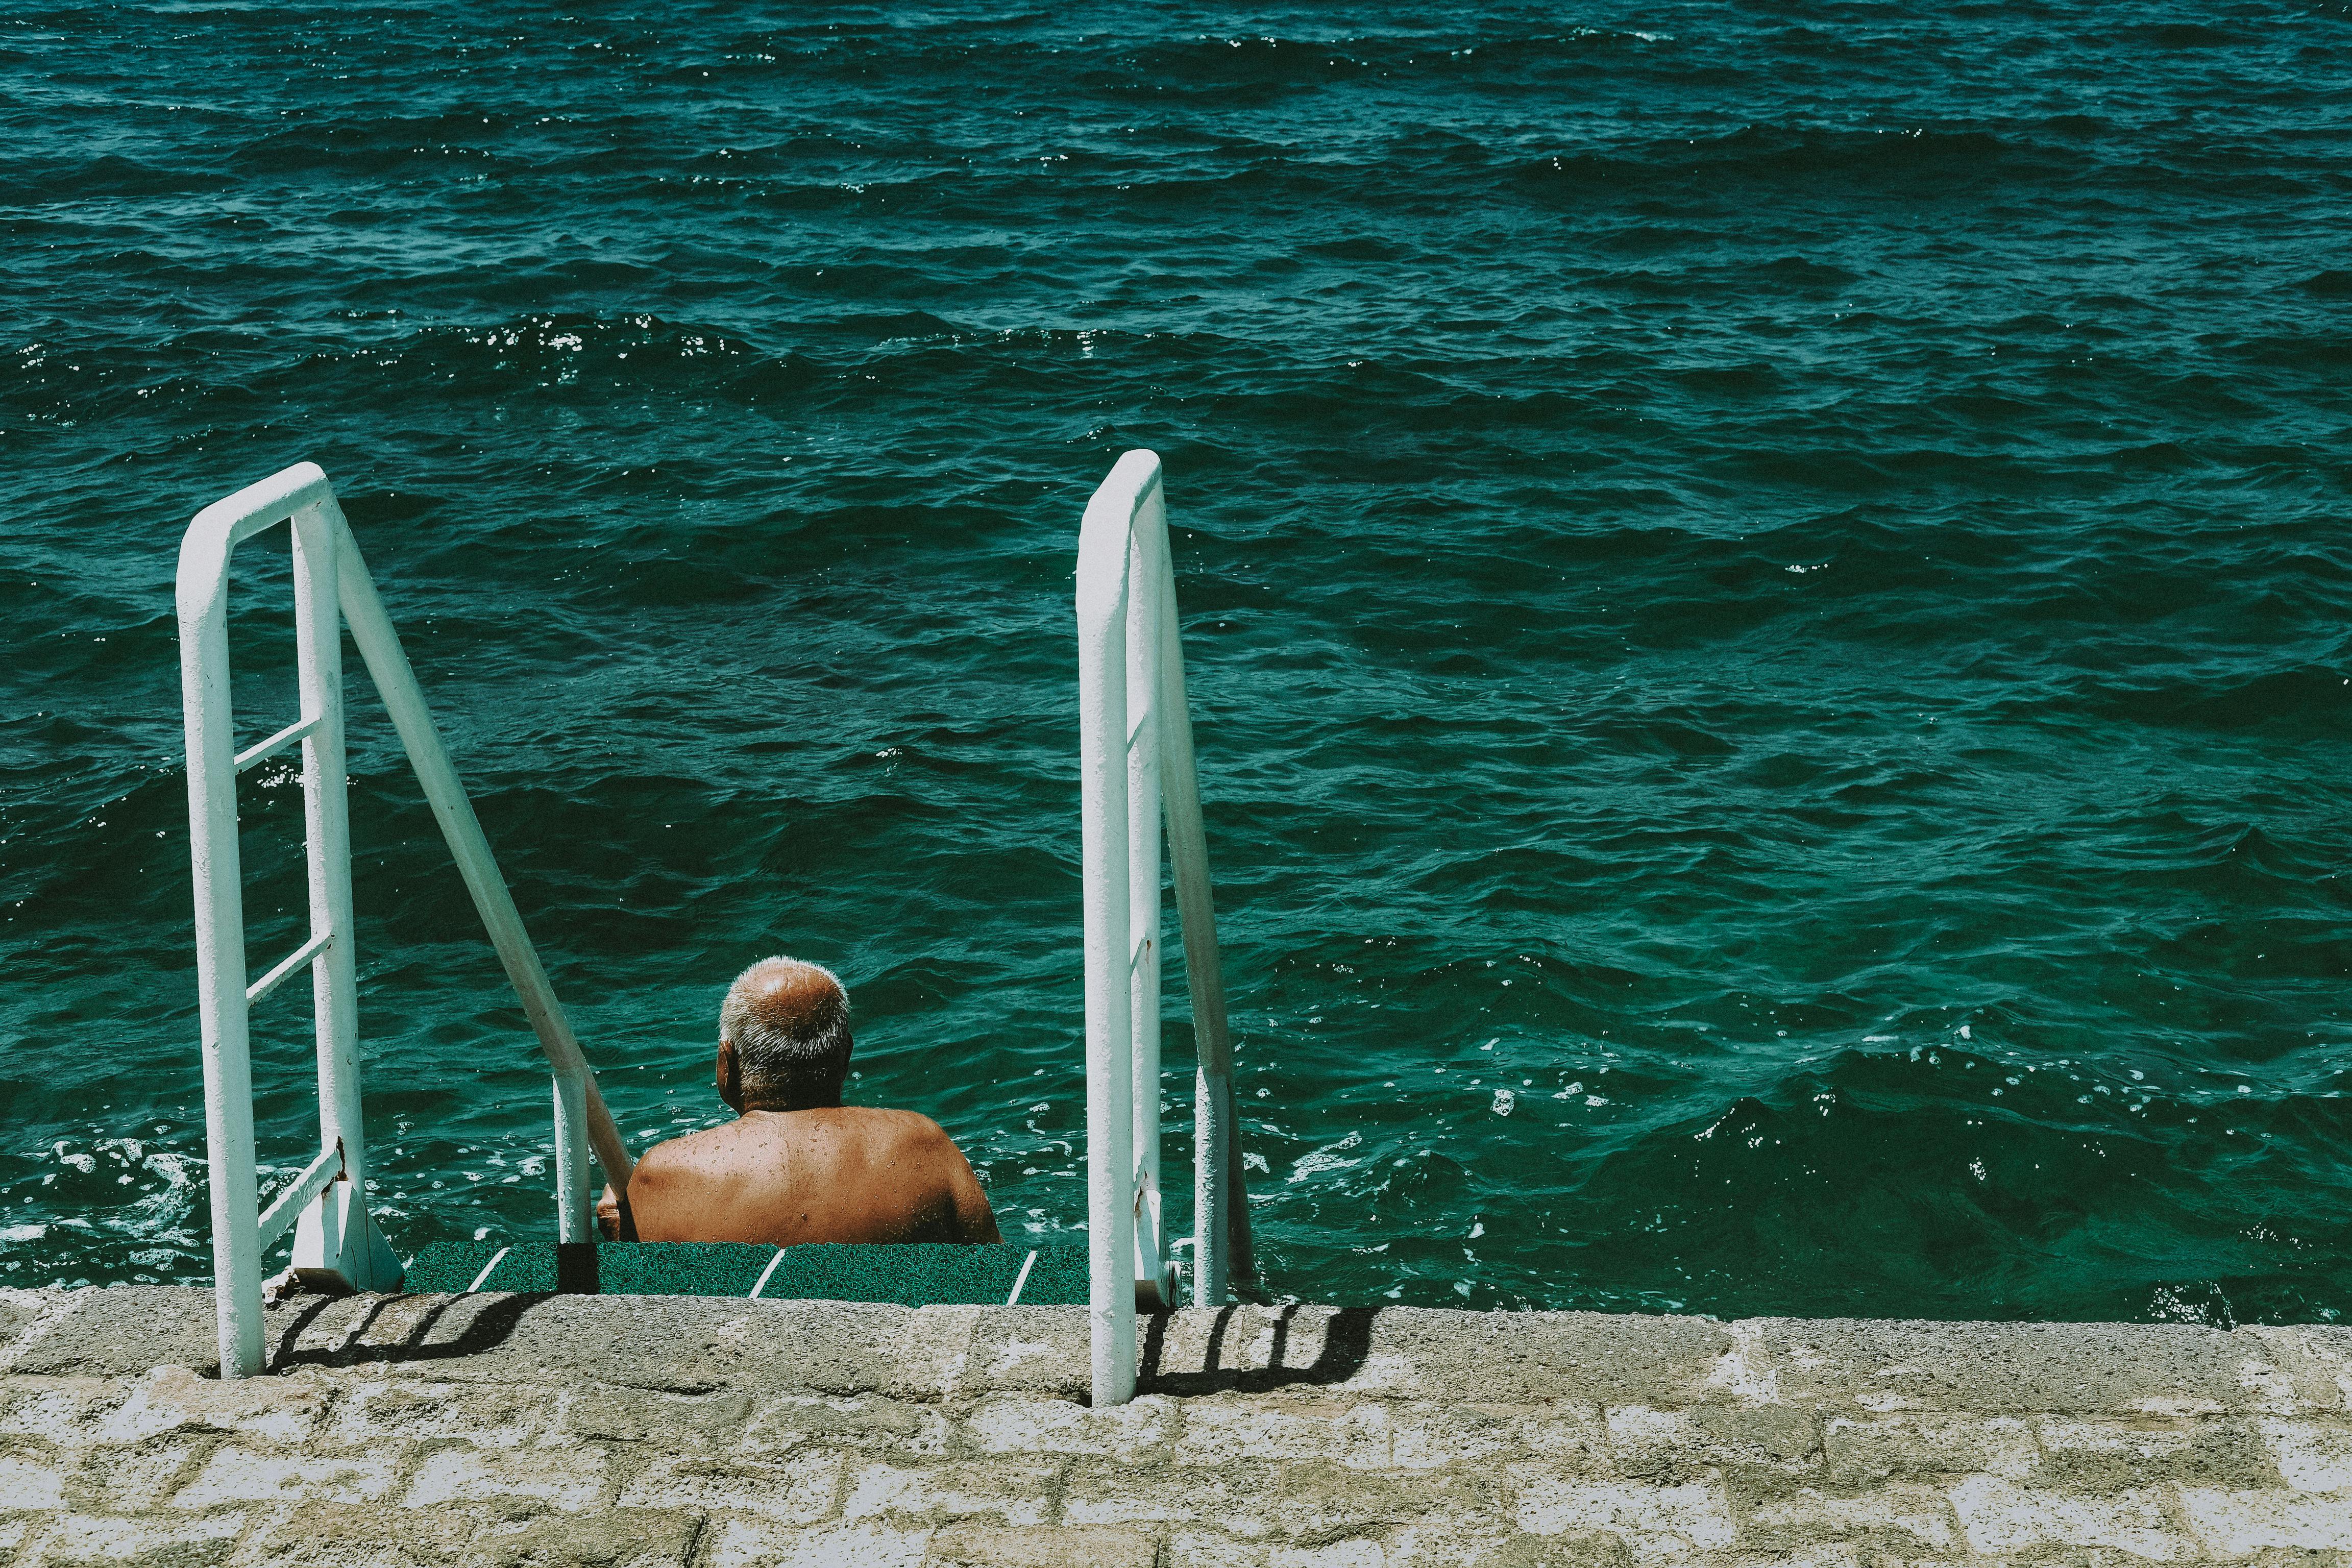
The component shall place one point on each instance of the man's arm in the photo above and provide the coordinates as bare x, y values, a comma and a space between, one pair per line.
615, 1222
974, 1220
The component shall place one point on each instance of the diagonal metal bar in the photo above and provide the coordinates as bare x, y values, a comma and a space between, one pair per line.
262, 751
291, 963
288, 1204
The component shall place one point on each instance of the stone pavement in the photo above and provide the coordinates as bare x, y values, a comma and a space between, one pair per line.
647, 1430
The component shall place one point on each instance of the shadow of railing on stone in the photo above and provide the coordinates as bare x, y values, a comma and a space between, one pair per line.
491, 1326
1347, 1343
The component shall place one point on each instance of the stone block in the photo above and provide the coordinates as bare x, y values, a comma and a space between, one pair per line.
26, 1315
1014, 1492
971, 1545
2067, 1369
123, 1330
2330, 1347
845, 1347
1652, 1521
2317, 1361
681, 1423
1209, 1549
1032, 1349
1526, 1357
1500, 1544
276, 1409
126, 1480
1650, 1442
476, 1535
65, 1411
2241, 1523
562, 1478
1846, 1554
1133, 1432
188, 1540
1098, 1493
1276, 1499
1999, 1517
1407, 1352
1905, 1515
1221, 1431
2108, 1456
1426, 1433
238, 1474
412, 1410
799, 1488
1782, 1436
2310, 1456
1745, 1371
757, 1543
863, 1422
1863, 1449
679, 1344
934, 1356
30, 1481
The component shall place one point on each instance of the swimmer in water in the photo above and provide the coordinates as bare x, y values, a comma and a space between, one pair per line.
796, 1165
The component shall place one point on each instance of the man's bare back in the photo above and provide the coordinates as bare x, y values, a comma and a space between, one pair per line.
845, 1172
797, 1164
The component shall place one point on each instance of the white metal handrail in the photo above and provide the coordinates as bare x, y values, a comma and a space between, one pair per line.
335, 1239
1135, 757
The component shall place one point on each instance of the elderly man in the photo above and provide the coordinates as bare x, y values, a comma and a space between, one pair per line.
796, 1165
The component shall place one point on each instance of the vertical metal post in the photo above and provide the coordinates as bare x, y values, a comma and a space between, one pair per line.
220, 941
326, 811
574, 1221
1103, 590
1144, 927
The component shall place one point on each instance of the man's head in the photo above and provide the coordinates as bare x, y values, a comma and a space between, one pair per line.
783, 1037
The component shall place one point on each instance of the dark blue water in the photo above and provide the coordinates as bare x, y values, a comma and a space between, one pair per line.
1765, 587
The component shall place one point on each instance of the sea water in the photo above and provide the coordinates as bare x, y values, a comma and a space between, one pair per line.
1766, 591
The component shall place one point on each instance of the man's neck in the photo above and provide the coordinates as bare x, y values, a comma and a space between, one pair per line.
785, 1105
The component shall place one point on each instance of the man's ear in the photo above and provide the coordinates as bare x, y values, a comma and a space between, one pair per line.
731, 1077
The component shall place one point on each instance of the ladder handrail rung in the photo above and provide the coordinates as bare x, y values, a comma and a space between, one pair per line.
288, 965
286, 1206
263, 750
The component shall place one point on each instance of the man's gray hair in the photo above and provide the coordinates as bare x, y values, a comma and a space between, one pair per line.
789, 1023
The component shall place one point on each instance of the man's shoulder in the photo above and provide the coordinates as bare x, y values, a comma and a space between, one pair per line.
909, 1127
885, 1132
687, 1151
875, 1127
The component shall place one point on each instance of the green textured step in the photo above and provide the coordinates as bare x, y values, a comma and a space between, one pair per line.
912, 1274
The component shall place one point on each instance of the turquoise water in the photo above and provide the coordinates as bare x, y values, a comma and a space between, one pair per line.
1766, 592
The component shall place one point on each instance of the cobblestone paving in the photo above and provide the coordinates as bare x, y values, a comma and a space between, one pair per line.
658, 1430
